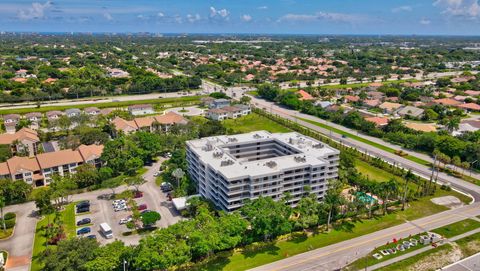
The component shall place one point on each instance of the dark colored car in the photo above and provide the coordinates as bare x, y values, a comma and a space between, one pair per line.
83, 204
92, 236
84, 221
84, 231
138, 194
145, 211
83, 210
142, 207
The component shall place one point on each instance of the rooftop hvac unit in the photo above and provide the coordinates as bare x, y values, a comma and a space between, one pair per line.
300, 159
226, 163
217, 154
257, 136
271, 164
232, 139
208, 147
318, 146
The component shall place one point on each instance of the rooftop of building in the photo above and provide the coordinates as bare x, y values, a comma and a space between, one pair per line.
304, 151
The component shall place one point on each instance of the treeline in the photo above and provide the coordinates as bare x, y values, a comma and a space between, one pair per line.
465, 147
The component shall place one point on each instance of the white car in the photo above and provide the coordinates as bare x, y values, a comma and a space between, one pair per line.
125, 220
377, 256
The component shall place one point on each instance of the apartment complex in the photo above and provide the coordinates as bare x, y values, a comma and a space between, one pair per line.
149, 124
23, 141
38, 170
230, 169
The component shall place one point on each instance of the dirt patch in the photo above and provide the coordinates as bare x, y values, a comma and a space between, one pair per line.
448, 201
471, 247
438, 259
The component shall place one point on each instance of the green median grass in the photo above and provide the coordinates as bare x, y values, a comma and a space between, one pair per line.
160, 101
366, 141
448, 231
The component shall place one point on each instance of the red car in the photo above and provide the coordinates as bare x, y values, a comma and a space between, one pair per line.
142, 207
138, 194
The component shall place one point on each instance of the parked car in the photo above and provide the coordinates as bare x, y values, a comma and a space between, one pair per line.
84, 231
125, 220
83, 210
92, 236
166, 187
84, 221
138, 194
83, 204
142, 207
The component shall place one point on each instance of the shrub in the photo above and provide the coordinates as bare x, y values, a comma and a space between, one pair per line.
8, 224
9, 216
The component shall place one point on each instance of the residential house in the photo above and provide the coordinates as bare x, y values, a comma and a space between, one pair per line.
50, 80
21, 168
150, 123
229, 112
379, 121
323, 104
371, 103
91, 154
92, 111
141, 109
351, 99
73, 112
447, 102
34, 117
389, 107
467, 126
410, 111
126, 126
305, 96
61, 162
472, 93
106, 111
22, 73
206, 101
23, 141
10, 121
469, 106
53, 115
375, 95
217, 114
117, 73
220, 103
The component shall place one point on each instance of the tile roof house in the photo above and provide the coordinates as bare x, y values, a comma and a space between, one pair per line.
92, 111
447, 102
150, 123
371, 103
39, 169
472, 93
141, 109
53, 115
73, 112
469, 106
379, 121
11, 118
229, 112
389, 107
305, 96
351, 99
410, 111
25, 140
34, 116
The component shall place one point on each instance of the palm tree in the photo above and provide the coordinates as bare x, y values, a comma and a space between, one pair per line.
408, 177
2, 204
452, 124
389, 188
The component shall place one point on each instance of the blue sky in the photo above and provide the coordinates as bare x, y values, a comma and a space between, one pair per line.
437, 17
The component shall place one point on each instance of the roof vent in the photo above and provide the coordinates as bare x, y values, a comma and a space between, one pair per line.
225, 163
300, 159
271, 164
217, 154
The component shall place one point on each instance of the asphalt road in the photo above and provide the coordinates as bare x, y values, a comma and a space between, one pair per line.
471, 263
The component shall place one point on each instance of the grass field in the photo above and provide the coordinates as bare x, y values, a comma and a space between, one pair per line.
253, 122
366, 141
446, 231
250, 258
102, 105
39, 243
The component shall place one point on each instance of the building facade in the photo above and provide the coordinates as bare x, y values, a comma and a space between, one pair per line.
231, 169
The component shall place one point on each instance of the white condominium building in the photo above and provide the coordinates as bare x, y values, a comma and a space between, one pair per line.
230, 169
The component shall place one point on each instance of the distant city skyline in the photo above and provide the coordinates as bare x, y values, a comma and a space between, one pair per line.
419, 17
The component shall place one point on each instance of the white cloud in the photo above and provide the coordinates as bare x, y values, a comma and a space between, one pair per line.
425, 21
469, 9
262, 7
323, 16
36, 11
222, 13
401, 9
160, 14
107, 16
246, 18
193, 18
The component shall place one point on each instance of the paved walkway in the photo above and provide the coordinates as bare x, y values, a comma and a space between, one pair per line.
471, 263
421, 250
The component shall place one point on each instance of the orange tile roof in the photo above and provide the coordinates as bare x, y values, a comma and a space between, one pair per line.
447, 102
351, 98
143, 122
24, 133
52, 159
170, 118
20, 80
379, 121
4, 169
16, 164
89, 152
390, 106
305, 96
470, 106
121, 124
472, 92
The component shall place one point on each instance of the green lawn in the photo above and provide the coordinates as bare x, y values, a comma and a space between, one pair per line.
366, 141
103, 105
448, 231
254, 122
458, 228
374, 173
39, 243
5, 234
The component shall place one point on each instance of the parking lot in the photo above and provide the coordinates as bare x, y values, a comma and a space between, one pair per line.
102, 210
